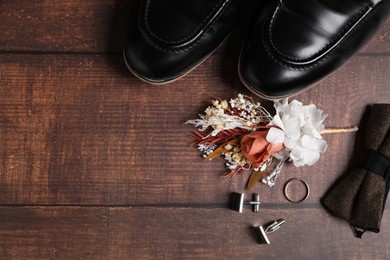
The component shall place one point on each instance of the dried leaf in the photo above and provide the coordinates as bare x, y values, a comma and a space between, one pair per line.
222, 137
221, 149
255, 177
236, 171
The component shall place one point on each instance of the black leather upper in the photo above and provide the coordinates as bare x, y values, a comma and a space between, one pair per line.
170, 37
296, 43
309, 26
160, 20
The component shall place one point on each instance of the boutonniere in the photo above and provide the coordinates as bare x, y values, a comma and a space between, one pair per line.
250, 139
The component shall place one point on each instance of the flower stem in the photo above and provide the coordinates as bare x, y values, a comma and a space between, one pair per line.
339, 130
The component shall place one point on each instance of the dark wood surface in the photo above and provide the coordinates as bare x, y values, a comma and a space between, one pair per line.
96, 164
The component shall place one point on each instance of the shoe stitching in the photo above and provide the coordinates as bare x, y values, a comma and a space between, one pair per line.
306, 67
184, 39
330, 43
180, 50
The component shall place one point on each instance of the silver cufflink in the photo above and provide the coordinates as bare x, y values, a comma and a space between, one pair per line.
238, 202
261, 233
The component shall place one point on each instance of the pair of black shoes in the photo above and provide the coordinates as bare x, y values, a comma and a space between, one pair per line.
292, 44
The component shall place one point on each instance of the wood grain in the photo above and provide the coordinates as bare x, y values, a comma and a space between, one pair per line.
71, 26
96, 164
95, 26
81, 130
179, 233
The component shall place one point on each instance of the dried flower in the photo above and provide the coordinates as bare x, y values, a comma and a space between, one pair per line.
240, 112
249, 137
298, 127
257, 149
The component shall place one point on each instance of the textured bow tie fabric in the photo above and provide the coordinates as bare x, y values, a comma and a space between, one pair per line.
359, 197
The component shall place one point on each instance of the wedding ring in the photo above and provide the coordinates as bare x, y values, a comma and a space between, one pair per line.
287, 194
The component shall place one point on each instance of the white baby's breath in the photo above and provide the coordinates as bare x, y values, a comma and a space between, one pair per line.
240, 112
206, 149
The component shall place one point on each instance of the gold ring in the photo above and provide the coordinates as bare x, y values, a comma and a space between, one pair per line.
286, 194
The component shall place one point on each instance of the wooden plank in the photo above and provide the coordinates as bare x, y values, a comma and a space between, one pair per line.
94, 26
180, 233
53, 233
71, 26
82, 130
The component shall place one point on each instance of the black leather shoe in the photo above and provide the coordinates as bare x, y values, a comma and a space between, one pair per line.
293, 44
169, 38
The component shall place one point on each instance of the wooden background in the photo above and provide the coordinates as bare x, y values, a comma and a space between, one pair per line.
96, 164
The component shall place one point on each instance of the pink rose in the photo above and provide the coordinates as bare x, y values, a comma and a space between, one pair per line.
257, 149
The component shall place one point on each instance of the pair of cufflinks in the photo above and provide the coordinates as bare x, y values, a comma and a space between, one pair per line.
260, 232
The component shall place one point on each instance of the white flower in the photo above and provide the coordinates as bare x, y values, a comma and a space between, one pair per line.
240, 112
299, 128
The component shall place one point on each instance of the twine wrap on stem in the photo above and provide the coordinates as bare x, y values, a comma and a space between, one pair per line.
333, 130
